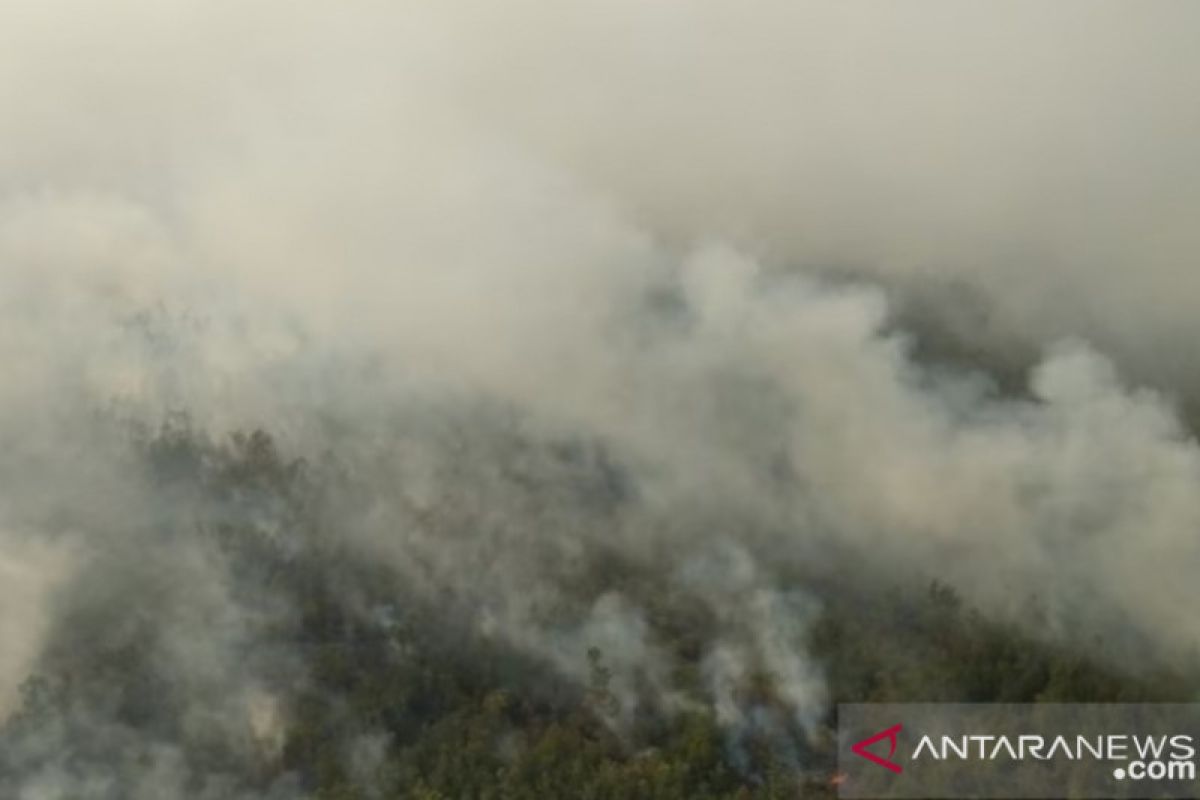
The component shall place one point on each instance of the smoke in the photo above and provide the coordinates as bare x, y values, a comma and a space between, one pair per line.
554, 293
32, 572
1043, 157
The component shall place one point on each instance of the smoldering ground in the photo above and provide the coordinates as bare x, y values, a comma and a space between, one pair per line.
561, 316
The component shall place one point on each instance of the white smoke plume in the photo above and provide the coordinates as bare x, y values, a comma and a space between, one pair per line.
643, 262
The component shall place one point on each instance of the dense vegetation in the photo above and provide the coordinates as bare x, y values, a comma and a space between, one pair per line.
391, 694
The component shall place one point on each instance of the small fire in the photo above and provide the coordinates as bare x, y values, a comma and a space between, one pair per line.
837, 778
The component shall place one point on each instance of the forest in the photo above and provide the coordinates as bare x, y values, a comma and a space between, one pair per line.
573, 400
379, 690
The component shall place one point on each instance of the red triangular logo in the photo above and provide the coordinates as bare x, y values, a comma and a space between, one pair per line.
890, 735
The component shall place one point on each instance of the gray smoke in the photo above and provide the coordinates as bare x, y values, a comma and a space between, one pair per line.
554, 282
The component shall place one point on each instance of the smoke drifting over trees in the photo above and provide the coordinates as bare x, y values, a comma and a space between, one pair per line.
586, 386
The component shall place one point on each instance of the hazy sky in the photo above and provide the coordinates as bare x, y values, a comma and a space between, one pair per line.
677, 229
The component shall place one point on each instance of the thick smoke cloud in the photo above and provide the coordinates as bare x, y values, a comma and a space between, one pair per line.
1044, 156
555, 282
